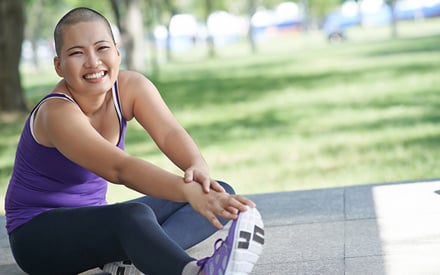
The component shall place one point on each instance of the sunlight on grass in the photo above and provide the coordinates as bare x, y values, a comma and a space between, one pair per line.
353, 114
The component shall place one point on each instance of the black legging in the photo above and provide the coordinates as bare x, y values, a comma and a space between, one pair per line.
152, 233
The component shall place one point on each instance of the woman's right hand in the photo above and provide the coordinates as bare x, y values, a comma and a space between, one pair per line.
217, 204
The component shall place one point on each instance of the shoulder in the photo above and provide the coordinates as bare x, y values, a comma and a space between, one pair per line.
132, 83
134, 87
62, 103
50, 119
131, 79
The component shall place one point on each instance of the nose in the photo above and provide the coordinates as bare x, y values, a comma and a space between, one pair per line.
93, 61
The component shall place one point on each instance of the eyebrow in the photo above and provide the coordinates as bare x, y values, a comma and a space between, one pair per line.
81, 47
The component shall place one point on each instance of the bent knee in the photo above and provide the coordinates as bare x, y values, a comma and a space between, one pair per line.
136, 212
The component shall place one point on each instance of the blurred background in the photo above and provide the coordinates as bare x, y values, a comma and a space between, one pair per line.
279, 95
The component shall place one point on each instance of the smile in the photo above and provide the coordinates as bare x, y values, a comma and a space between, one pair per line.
95, 75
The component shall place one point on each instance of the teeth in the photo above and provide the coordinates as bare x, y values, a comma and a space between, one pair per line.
95, 75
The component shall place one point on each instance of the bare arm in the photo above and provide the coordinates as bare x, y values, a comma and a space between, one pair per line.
69, 130
149, 109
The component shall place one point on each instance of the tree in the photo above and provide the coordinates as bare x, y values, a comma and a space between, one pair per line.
129, 21
33, 27
320, 8
210, 38
251, 33
11, 38
134, 40
170, 6
392, 4
153, 17
39, 27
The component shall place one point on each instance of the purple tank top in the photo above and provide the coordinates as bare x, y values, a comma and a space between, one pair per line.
43, 179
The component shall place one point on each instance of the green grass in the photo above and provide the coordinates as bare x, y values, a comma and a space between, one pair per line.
301, 113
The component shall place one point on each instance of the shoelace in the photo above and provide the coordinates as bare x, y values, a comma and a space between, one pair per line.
202, 262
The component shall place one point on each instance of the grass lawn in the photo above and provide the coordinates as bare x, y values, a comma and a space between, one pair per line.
301, 113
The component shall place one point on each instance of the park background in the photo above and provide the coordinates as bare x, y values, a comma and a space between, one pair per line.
294, 111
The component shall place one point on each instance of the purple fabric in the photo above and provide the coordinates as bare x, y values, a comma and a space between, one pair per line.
43, 179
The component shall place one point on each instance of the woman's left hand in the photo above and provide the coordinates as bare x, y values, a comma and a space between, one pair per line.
203, 178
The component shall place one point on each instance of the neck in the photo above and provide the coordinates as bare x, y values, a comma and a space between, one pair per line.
90, 103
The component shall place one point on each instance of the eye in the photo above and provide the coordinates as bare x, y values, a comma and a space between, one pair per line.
102, 48
75, 53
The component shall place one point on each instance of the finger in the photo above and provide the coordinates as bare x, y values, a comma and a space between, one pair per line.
238, 203
206, 185
214, 221
245, 201
228, 214
216, 186
232, 210
189, 175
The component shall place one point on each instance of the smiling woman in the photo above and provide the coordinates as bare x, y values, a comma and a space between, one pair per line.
93, 55
72, 144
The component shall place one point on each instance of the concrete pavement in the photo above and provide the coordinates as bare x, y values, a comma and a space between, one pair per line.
390, 229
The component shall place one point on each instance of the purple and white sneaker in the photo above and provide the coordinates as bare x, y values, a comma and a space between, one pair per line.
237, 254
121, 268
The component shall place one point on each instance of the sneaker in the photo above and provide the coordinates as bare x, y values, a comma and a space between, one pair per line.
237, 254
121, 268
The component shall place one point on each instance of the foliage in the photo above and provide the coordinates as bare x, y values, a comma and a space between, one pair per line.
39, 24
319, 8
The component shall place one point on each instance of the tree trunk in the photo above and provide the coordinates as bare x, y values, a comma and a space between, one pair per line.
34, 30
130, 26
135, 37
394, 33
117, 12
251, 33
305, 20
11, 38
173, 11
209, 38
154, 18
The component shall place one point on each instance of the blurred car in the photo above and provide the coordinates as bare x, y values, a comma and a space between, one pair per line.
286, 16
375, 13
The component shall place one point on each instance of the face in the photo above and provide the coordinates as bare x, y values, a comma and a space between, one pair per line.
89, 60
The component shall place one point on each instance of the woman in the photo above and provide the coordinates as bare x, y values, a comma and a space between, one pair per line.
72, 145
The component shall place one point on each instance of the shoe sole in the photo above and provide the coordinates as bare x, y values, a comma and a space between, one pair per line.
247, 243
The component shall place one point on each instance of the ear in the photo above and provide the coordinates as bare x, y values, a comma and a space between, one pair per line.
118, 52
57, 66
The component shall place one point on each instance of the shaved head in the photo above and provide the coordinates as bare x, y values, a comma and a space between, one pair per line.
74, 16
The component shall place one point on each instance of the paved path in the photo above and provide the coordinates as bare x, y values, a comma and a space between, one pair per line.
390, 229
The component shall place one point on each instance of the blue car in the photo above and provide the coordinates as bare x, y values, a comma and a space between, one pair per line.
336, 23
